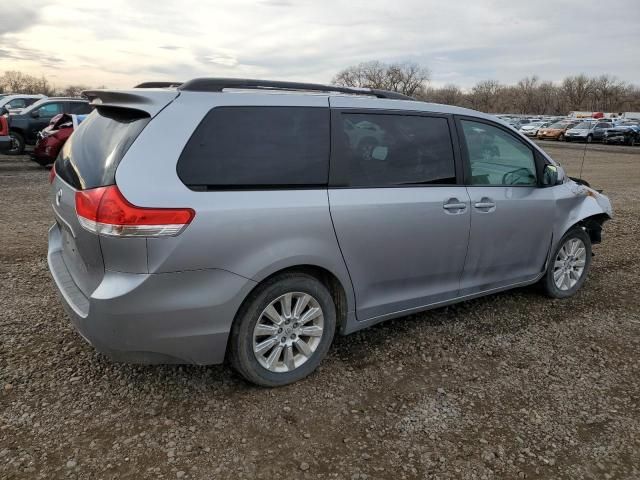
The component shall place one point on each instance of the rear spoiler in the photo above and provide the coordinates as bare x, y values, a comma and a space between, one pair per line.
150, 101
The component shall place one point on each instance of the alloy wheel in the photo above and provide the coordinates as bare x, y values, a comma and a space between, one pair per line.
288, 332
569, 264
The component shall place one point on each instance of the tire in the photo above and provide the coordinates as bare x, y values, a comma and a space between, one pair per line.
632, 142
561, 137
589, 138
564, 287
604, 141
290, 363
17, 147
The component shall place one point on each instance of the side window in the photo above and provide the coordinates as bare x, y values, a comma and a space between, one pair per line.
258, 146
497, 158
387, 150
50, 109
603, 125
78, 108
17, 103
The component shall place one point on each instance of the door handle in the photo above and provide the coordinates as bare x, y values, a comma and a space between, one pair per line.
453, 205
484, 205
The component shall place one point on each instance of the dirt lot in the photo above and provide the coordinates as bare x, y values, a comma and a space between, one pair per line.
510, 386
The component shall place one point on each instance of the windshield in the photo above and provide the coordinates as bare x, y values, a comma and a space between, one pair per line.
583, 126
560, 125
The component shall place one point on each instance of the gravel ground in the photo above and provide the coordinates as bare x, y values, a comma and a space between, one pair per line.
514, 385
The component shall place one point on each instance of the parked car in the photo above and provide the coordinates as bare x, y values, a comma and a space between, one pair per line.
531, 129
25, 125
556, 131
15, 103
588, 131
5, 139
627, 133
52, 138
256, 229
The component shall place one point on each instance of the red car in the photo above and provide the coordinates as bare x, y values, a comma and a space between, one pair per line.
5, 139
50, 140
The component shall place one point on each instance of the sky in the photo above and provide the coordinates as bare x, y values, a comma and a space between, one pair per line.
119, 43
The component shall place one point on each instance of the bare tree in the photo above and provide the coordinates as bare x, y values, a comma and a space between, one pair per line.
406, 78
484, 95
73, 90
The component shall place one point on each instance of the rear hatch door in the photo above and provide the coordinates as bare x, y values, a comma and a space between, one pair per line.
88, 160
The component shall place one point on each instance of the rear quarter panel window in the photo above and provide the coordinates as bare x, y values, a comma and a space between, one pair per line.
236, 147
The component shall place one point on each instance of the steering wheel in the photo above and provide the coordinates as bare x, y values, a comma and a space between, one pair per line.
511, 178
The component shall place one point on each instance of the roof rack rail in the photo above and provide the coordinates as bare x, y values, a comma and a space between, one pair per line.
158, 84
219, 84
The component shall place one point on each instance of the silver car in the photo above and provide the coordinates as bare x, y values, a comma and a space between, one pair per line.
246, 219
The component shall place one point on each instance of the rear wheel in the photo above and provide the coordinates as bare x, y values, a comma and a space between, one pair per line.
283, 331
632, 141
569, 265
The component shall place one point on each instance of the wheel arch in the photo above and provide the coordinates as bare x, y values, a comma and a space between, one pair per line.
339, 288
591, 224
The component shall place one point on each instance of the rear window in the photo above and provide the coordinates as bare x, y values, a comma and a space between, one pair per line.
262, 147
91, 155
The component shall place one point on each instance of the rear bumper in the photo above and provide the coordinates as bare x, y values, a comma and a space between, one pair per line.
181, 317
5, 143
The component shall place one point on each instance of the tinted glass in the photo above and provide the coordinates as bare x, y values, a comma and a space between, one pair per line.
258, 146
387, 150
91, 155
50, 109
496, 157
17, 103
78, 108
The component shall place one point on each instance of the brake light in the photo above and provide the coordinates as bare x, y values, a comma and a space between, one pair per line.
105, 211
52, 174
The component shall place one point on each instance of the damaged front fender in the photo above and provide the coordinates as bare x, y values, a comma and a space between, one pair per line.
581, 205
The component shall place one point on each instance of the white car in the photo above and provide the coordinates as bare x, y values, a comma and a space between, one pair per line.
15, 103
531, 129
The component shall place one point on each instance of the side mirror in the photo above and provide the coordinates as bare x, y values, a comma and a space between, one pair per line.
35, 114
552, 176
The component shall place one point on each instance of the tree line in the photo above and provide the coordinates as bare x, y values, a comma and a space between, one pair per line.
531, 95
18, 82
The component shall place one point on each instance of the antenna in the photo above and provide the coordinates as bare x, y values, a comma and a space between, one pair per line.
584, 154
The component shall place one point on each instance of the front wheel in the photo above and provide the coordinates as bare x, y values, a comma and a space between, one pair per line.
283, 331
17, 144
561, 137
589, 138
569, 265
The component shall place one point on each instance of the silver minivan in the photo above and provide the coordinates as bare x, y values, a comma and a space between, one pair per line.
252, 220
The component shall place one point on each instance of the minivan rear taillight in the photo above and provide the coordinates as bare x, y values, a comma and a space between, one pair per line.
105, 211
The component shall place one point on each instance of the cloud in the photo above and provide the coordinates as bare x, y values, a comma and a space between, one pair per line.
16, 18
120, 43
